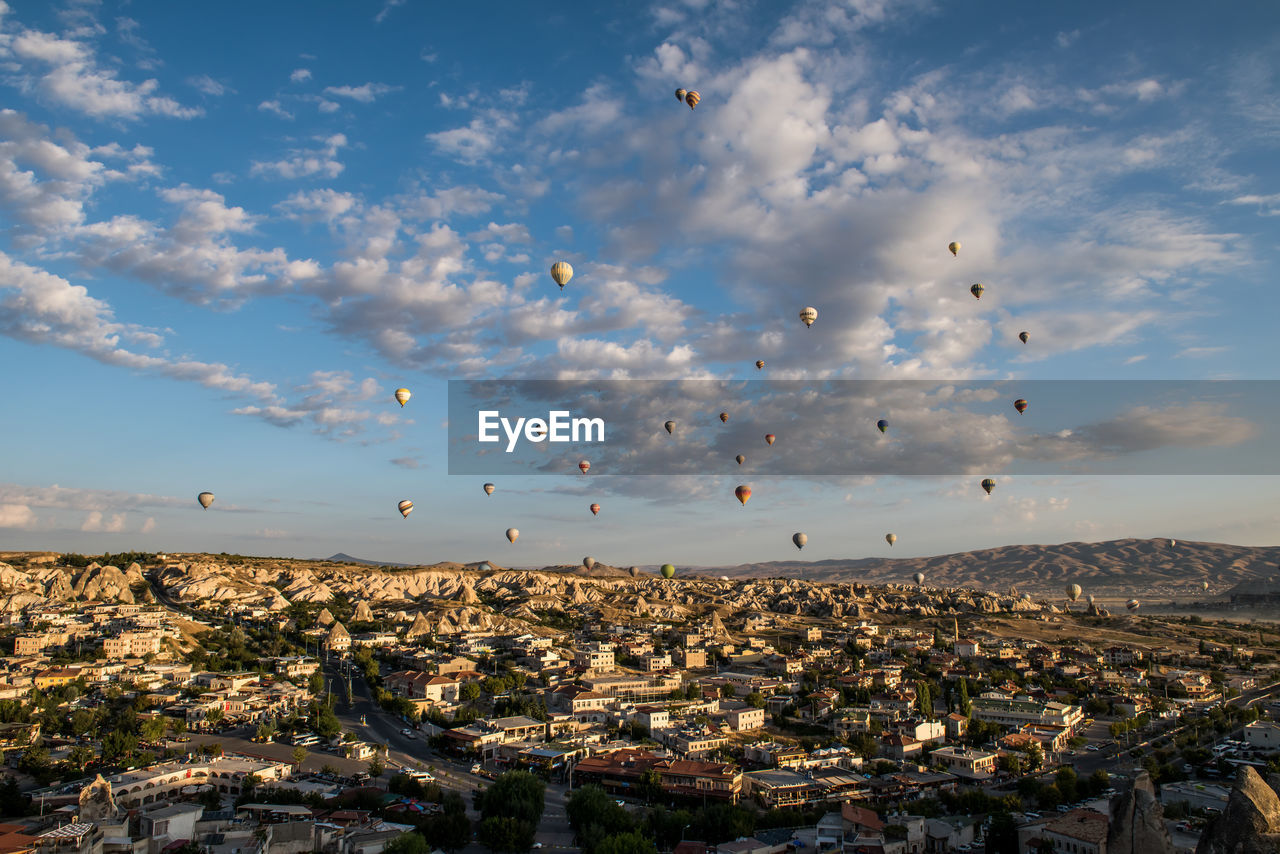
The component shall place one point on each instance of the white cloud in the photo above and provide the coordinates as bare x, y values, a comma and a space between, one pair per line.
66, 71
365, 94
209, 86
16, 516
149, 525
95, 521
274, 107
300, 75
302, 163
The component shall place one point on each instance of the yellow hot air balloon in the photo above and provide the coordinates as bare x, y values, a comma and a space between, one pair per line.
205, 499
405, 507
954, 246
512, 533
561, 273
403, 395
808, 314
890, 538
759, 364
680, 93
488, 489
692, 98
977, 290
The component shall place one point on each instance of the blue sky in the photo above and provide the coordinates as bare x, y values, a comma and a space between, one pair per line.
226, 238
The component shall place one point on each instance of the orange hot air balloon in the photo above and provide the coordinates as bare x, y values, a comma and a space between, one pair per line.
1020, 405
741, 459
488, 489
584, 466
692, 98
759, 364
724, 417
769, 437
744, 494
595, 509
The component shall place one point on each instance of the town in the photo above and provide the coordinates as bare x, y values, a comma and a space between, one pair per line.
197, 724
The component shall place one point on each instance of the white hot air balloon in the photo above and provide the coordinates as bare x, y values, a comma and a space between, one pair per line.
205, 499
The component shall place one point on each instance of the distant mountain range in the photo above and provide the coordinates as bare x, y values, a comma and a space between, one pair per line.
343, 557
1127, 564
1149, 566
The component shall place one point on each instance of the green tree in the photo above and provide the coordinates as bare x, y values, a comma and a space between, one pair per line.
79, 757
12, 801
316, 683
153, 729
924, 700
506, 834
469, 692
408, 843
376, 767
1067, 783
299, 755
755, 699
516, 794
963, 704
626, 843
1002, 836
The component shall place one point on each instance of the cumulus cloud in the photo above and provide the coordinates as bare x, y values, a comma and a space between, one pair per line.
95, 521
305, 162
67, 72
365, 94
16, 516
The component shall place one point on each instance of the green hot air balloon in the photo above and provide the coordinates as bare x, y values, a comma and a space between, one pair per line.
882, 425
668, 571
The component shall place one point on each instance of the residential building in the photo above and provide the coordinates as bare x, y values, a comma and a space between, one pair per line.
1078, 832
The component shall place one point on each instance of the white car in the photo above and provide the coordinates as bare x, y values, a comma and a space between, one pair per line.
407, 733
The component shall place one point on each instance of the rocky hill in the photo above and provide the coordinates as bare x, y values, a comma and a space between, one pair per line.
1154, 566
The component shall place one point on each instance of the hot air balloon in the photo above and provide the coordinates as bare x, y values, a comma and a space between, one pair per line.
406, 507
799, 539
918, 578
595, 509
1204, 585
724, 417
584, 466
671, 426
1089, 598
403, 395
744, 494
1020, 405
512, 533
1026, 597
890, 538
759, 364
1173, 543
977, 290
954, 246
882, 425
561, 273
1073, 592
1023, 336
740, 459
808, 314
1133, 604
484, 567
769, 437
589, 563
488, 489
205, 499
680, 93
988, 485
692, 98
668, 571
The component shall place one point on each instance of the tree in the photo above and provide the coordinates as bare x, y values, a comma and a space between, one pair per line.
517, 795
79, 757
503, 833
1002, 836
299, 755
12, 801
626, 843
469, 692
376, 767
924, 700
316, 683
212, 716
1067, 783
1010, 764
153, 729
755, 700
408, 843
964, 706
451, 830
